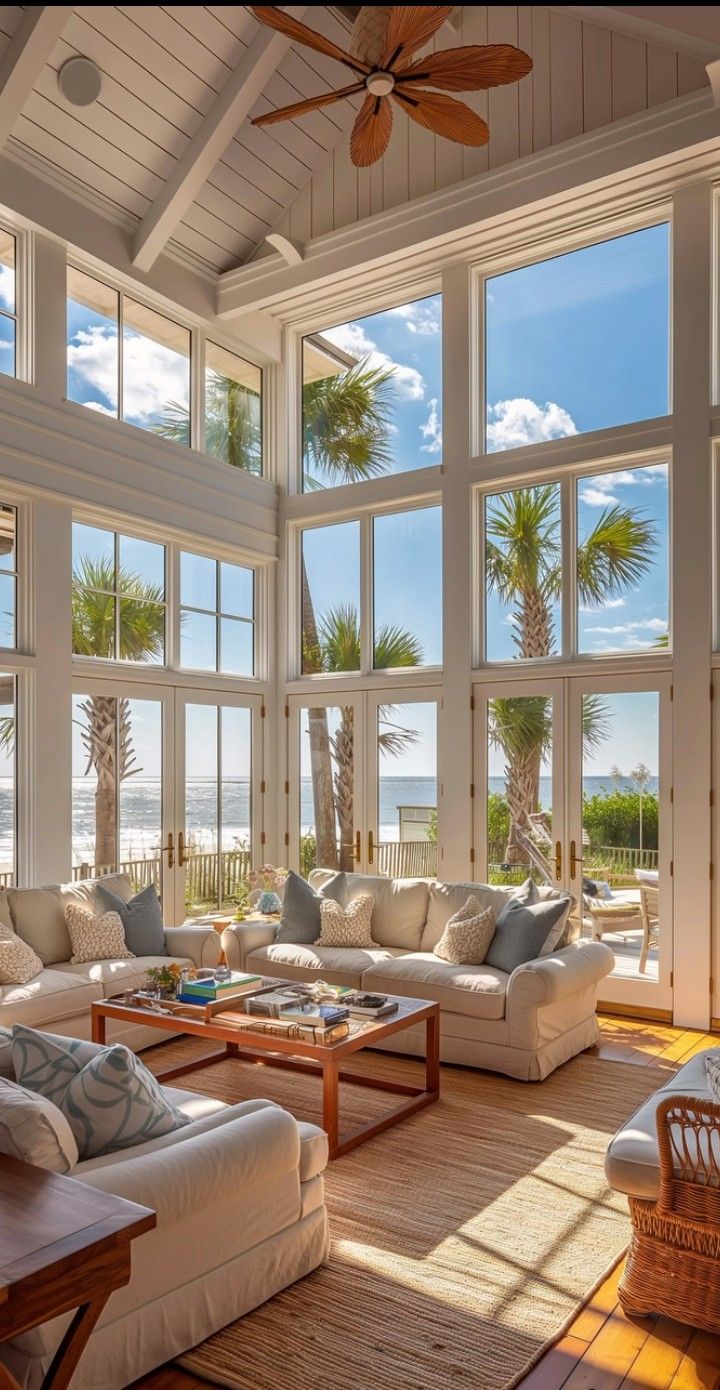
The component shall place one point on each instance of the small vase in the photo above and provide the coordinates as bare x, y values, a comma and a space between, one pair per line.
269, 902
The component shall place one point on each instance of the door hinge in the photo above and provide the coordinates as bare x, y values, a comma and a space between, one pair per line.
672, 795
287, 837
287, 711
472, 856
287, 788
472, 789
262, 711
672, 868
262, 837
672, 692
472, 701
262, 786
672, 978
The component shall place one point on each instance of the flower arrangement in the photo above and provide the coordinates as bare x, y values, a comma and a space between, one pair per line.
265, 888
165, 978
241, 900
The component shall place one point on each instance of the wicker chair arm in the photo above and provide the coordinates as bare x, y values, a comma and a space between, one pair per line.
688, 1132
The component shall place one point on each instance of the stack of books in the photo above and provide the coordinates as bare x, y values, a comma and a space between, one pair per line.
210, 990
316, 1022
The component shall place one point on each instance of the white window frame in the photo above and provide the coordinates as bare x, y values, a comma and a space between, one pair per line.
19, 315
217, 614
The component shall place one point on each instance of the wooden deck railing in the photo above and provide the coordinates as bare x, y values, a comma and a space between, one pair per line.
211, 877
407, 859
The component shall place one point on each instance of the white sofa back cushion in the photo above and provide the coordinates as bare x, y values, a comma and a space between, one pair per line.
38, 914
399, 906
445, 899
6, 920
34, 1130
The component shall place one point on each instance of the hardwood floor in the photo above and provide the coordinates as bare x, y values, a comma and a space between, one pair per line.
602, 1350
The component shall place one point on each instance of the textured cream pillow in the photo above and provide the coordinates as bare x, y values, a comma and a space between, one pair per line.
346, 926
95, 938
34, 1130
467, 935
18, 962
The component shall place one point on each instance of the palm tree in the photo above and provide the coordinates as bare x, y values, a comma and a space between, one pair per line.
337, 648
524, 569
139, 627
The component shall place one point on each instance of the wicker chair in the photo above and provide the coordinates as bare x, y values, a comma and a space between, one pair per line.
649, 909
673, 1263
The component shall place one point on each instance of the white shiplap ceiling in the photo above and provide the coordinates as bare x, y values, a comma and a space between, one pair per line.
163, 69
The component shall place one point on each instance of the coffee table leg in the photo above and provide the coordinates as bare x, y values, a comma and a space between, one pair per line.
432, 1053
99, 1028
330, 1102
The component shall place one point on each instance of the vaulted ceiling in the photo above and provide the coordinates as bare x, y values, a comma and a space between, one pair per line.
169, 155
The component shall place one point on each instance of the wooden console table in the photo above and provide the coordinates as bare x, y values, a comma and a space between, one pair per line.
63, 1245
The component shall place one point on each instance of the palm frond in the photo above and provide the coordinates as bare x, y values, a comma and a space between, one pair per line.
346, 425
616, 555
521, 725
596, 722
395, 646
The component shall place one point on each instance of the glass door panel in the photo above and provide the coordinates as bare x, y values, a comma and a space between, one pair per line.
325, 816
218, 769
401, 840
120, 804
620, 831
519, 823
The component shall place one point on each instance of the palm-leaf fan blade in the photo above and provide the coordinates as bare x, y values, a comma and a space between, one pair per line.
469, 69
371, 131
444, 116
278, 19
411, 26
300, 108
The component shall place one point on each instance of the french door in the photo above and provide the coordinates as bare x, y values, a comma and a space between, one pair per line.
573, 786
362, 782
167, 787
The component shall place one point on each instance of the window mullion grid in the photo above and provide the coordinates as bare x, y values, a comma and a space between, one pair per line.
568, 586
367, 617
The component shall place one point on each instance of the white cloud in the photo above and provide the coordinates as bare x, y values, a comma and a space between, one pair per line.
432, 431
595, 497
352, 338
101, 409
422, 318
611, 603
7, 286
153, 374
510, 424
601, 491
640, 625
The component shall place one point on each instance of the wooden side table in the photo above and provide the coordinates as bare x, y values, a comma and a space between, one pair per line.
63, 1245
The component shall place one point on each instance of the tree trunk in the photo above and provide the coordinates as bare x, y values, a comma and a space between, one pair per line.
105, 827
522, 774
344, 749
326, 853
100, 739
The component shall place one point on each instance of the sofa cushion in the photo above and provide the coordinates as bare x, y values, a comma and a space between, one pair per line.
34, 1130
50, 997
47, 1063
115, 975
114, 1103
445, 899
399, 911
6, 921
300, 921
467, 935
95, 938
18, 962
632, 1162
349, 926
7, 1068
141, 918
476, 990
38, 914
336, 964
527, 932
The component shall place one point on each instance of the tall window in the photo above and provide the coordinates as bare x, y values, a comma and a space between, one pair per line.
117, 786
330, 617
140, 374
372, 395
233, 409
8, 306
8, 576
217, 616
579, 342
118, 596
620, 563
8, 781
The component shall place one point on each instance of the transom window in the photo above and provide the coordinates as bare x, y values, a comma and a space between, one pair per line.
372, 396
8, 304
118, 596
8, 576
126, 360
578, 342
620, 564
217, 616
233, 409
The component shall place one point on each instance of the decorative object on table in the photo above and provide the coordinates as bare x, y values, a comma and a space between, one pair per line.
363, 1005
95, 938
380, 50
266, 886
141, 918
228, 986
165, 979
317, 1015
241, 900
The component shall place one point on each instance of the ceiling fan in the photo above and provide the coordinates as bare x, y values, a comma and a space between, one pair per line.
382, 43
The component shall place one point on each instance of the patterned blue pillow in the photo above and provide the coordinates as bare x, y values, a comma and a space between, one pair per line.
115, 1103
46, 1063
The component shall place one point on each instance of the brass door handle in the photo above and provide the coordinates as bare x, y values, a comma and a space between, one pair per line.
169, 850
558, 860
574, 859
371, 847
358, 847
182, 856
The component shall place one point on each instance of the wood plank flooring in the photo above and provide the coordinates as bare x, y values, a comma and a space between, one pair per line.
603, 1350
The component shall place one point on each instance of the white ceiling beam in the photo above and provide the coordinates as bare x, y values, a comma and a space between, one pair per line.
25, 57
693, 30
241, 91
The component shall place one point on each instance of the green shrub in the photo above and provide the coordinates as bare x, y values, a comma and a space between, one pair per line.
613, 818
498, 827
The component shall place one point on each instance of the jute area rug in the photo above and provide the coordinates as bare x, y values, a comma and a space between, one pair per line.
464, 1240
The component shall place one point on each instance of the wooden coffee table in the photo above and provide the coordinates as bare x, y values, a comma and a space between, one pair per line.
235, 1030
63, 1245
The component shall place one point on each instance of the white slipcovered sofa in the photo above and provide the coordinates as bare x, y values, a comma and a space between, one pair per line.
241, 1214
59, 998
524, 1024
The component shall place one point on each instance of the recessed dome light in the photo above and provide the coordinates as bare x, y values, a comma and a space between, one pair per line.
79, 81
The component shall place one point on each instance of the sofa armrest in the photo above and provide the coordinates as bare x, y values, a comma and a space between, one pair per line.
550, 979
201, 945
242, 938
188, 1175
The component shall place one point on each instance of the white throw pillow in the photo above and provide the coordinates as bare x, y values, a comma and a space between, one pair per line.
347, 926
115, 1103
712, 1072
467, 935
18, 961
95, 938
34, 1130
